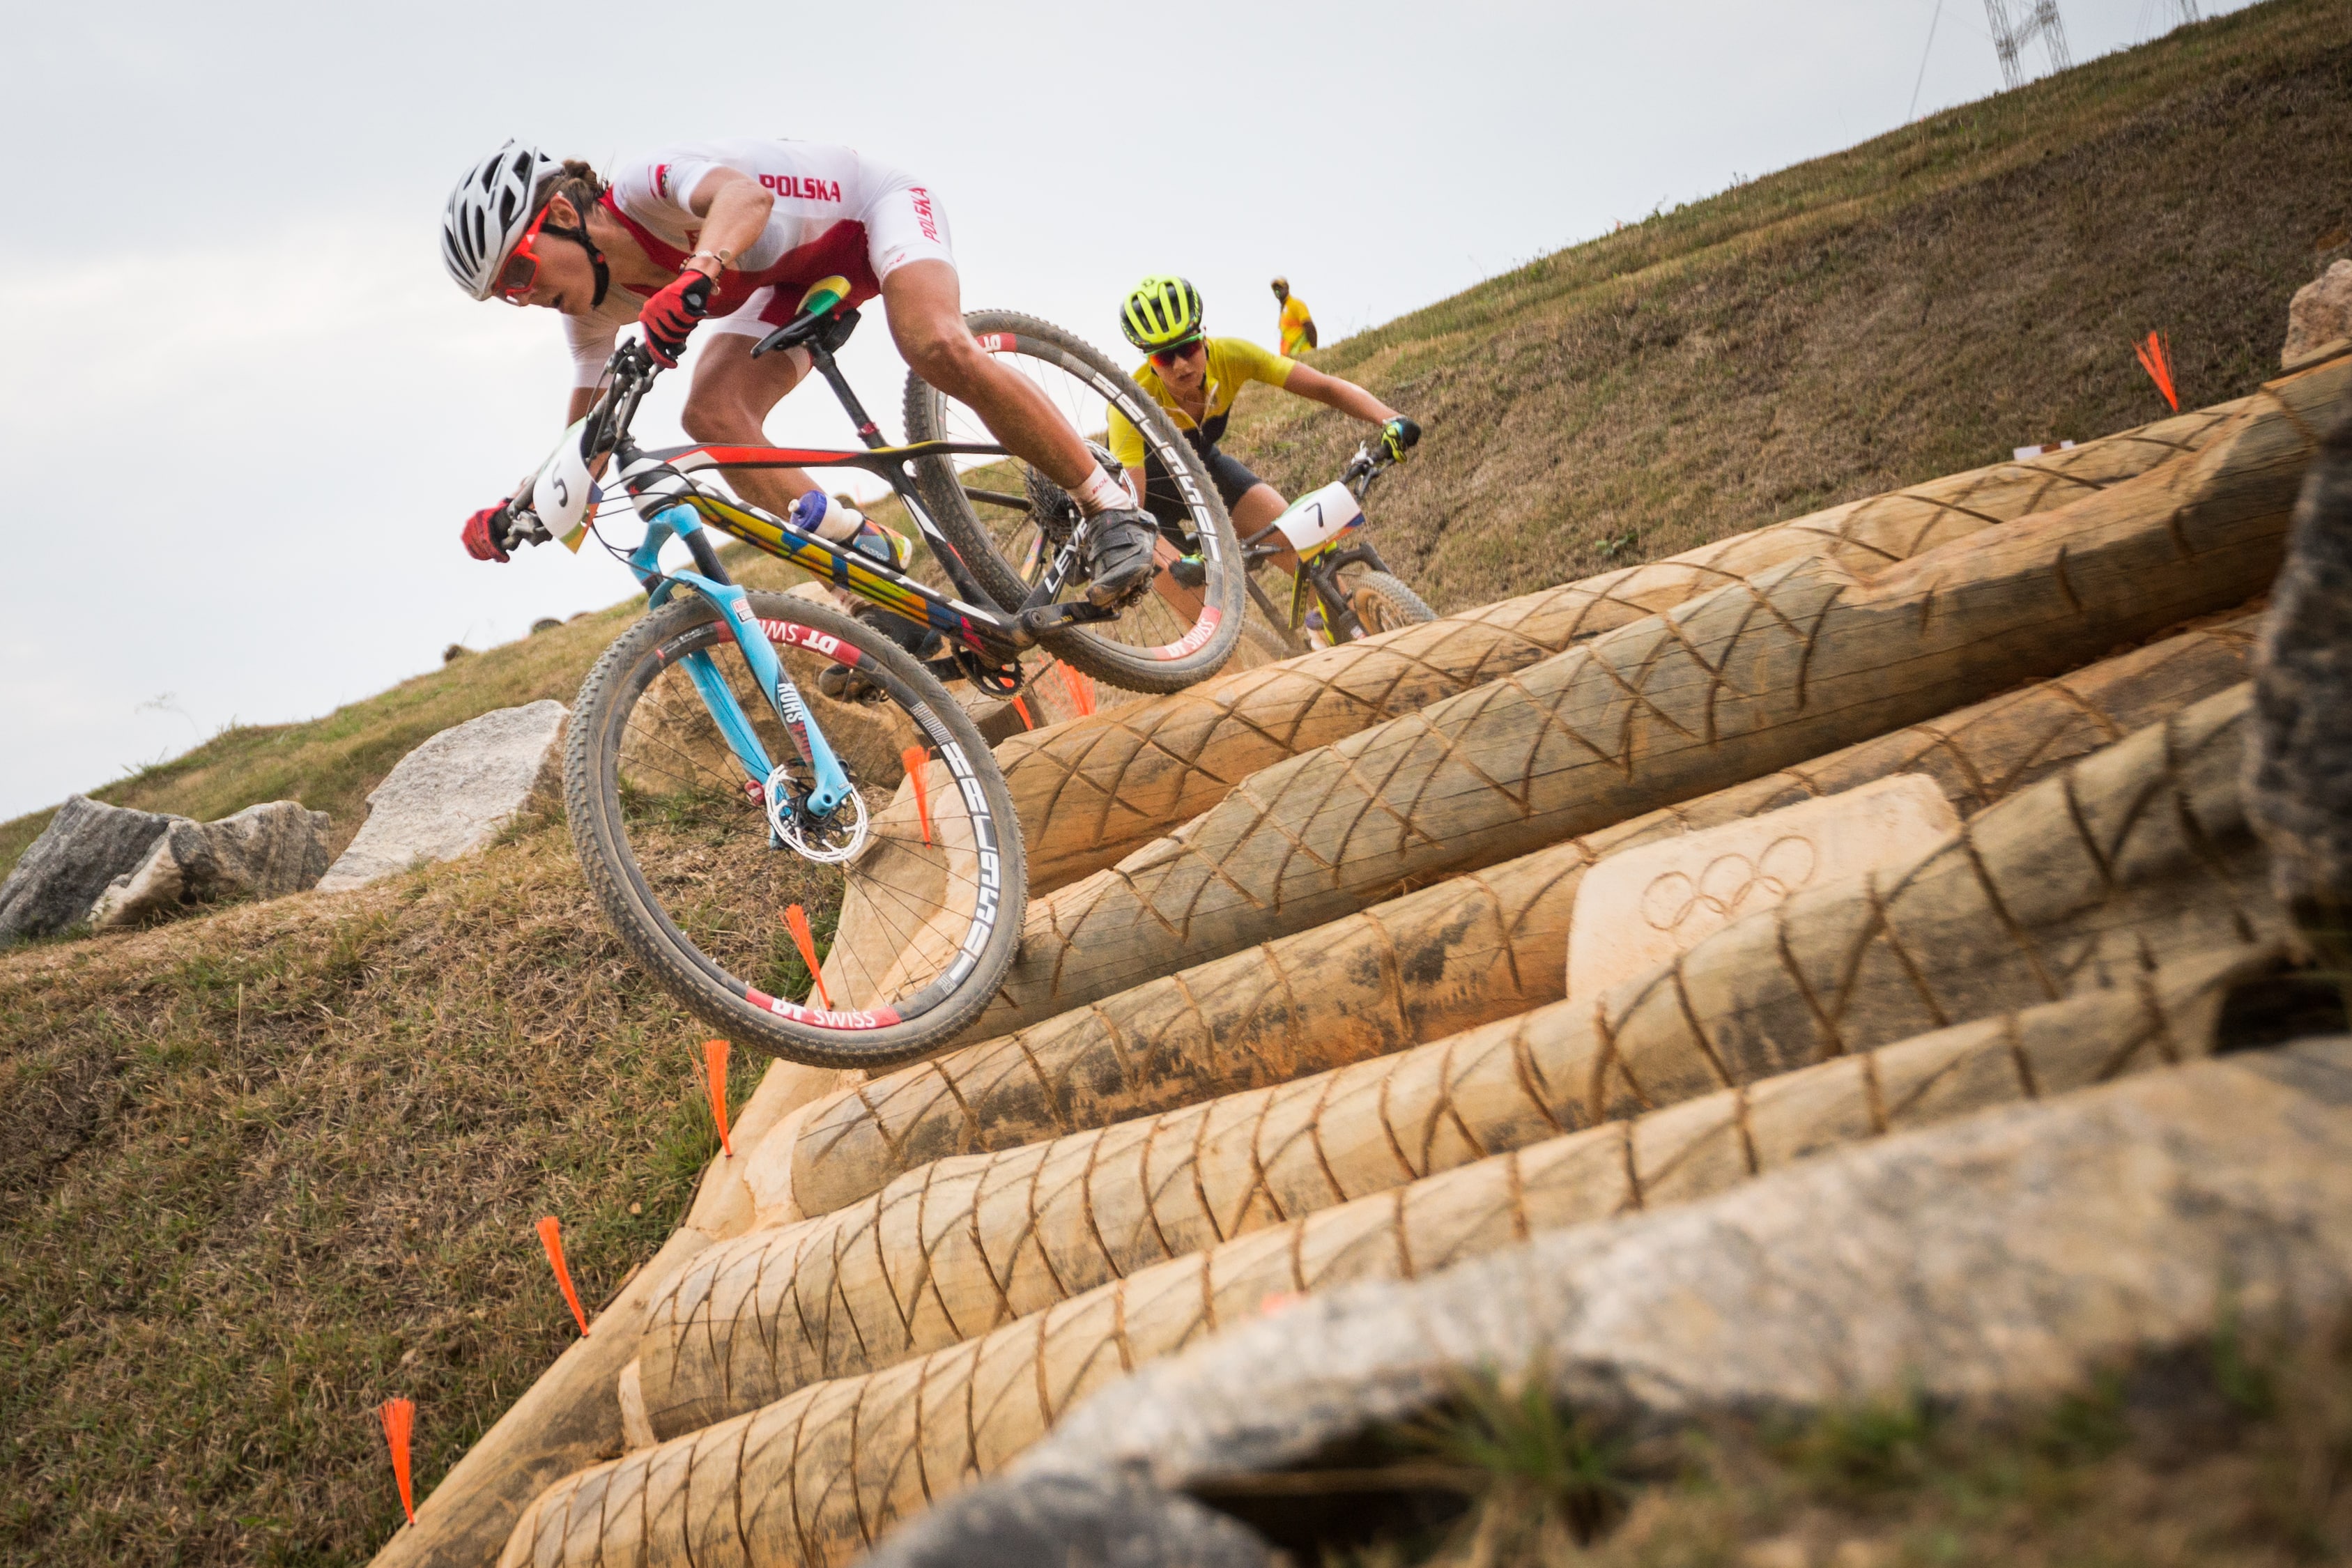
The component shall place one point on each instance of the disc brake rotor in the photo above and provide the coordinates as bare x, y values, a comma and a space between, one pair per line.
837, 838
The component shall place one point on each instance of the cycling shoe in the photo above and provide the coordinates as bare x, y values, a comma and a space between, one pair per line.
843, 684
1119, 554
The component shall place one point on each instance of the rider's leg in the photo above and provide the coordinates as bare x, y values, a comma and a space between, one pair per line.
1260, 505
924, 302
728, 404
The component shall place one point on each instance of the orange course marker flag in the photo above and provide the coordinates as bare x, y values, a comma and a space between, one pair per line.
1081, 690
797, 918
714, 1078
919, 769
2155, 358
551, 1236
1023, 709
399, 1418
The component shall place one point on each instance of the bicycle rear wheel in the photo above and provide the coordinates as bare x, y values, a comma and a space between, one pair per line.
913, 898
1008, 521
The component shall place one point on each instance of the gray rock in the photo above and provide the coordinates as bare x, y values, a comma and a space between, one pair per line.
2320, 313
262, 852
2003, 1258
85, 847
452, 794
1112, 1519
2298, 770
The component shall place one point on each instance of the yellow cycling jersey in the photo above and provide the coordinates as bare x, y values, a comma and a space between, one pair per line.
1295, 325
1234, 363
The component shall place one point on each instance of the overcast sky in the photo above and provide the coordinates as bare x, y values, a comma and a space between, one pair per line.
249, 411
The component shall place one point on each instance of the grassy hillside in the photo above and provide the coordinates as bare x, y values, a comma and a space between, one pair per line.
263, 1169
331, 763
1918, 305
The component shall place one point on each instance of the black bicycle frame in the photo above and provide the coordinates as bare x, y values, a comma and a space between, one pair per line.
984, 637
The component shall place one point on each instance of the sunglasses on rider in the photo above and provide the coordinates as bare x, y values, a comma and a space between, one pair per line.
1168, 356
520, 273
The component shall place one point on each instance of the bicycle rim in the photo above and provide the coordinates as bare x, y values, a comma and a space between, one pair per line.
910, 932
1010, 521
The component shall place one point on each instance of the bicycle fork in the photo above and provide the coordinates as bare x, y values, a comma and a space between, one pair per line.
734, 605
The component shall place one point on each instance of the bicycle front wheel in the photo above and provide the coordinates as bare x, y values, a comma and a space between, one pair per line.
909, 898
1008, 522
1383, 604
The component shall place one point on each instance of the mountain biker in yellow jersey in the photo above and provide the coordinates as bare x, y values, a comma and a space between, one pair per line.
1294, 328
1196, 378
734, 231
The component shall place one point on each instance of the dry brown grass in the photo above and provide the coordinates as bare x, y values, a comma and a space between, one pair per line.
262, 1169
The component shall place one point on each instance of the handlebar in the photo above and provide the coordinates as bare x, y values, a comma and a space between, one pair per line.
1373, 458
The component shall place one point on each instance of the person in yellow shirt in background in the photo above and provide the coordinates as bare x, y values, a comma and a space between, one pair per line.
1196, 378
1294, 328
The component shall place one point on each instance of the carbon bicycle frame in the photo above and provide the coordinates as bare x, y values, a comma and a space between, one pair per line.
663, 493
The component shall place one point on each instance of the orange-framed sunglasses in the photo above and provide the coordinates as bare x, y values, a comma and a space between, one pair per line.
520, 273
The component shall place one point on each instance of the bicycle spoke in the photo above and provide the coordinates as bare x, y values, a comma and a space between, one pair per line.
702, 844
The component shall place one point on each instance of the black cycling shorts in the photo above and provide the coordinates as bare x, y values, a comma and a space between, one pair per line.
1161, 499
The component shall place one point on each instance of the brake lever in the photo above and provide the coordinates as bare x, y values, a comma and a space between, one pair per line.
524, 527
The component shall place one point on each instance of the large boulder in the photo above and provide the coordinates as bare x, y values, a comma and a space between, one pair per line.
262, 852
453, 794
2320, 313
86, 846
2298, 767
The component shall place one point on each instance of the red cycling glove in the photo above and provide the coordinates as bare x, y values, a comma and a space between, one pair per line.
670, 315
482, 532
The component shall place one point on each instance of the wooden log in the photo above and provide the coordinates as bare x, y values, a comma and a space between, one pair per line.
1092, 791
1755, 676
1487, 945
817, 1477
2076, 884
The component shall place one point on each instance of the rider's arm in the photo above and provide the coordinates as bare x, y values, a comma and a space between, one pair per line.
1333, 393
734, 209
583, 398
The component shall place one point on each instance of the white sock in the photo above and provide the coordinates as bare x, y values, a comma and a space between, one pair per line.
1103, 492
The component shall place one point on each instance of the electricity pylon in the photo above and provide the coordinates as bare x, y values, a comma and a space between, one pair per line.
2016, 25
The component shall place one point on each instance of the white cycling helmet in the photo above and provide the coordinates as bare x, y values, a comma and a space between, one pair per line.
489, 212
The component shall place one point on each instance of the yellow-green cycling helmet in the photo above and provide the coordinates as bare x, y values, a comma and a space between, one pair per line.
1162, 313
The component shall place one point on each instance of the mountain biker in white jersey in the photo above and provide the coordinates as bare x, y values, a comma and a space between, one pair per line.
734, 232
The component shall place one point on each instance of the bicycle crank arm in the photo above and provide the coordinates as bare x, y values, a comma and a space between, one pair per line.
1032, 624
1273, 615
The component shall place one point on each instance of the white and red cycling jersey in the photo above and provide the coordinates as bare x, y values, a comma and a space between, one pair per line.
835, 213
